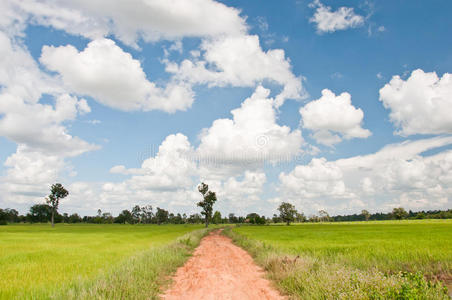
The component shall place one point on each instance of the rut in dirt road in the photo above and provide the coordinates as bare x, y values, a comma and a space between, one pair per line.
220, 270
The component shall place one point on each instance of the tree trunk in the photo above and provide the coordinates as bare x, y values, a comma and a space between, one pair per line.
53, 214
207, 222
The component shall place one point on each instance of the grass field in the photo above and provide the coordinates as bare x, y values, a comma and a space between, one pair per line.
38, 261
363, 257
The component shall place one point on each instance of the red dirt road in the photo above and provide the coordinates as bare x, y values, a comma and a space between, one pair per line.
220, 270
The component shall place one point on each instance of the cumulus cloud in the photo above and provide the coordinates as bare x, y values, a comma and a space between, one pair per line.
170, 179
421, 104
251, 137
239, 61
113, 77
39, 130
318, 178
131, 20
396, 175
328, 21
333, 118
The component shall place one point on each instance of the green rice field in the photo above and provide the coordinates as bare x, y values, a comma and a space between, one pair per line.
362, 260
38, 260
424, 245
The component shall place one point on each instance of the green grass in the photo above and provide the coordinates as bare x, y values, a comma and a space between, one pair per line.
37, 261
424, 245
362, 260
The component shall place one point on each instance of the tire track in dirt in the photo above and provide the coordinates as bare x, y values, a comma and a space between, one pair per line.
220, 270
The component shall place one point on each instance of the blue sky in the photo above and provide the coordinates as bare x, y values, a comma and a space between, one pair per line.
336, 105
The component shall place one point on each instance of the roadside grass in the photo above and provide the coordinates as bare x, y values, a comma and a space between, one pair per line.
37, 261
359, 260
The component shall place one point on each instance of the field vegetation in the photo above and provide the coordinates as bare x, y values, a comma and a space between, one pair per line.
359, 260
91, 261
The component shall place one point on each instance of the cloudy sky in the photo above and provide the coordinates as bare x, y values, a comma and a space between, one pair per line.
336, 105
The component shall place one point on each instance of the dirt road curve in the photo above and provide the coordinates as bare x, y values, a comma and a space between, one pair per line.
220, 270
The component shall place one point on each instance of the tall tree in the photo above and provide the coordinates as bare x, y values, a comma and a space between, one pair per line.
209, 198
57, 192
287, 212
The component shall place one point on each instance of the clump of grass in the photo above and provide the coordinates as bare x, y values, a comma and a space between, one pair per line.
309, 277
139, 277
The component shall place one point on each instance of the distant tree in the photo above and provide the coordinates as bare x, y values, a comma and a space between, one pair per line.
136, 214
287, 212
74, 218
365, 214
194, 219
276, 219
146, 214
40, 213
216, 219
300, 218
57, 192
3, 217
161, 215
232, 218
399, 213
324, 216
209, 198
124, 217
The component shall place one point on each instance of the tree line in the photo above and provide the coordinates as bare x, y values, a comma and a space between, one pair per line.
43, 213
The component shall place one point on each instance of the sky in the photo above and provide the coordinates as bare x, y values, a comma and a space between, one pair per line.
333, 105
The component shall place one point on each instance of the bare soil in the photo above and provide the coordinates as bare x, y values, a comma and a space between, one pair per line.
220, 270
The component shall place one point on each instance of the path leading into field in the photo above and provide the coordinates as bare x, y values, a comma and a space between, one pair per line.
220, 270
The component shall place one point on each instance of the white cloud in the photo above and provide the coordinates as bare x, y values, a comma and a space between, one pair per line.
421, 104
333, 114
39, 130
170, 179
130, 20
318, 178
251, 137
396, 175
239, 61
38, 126
113, 77
329, 21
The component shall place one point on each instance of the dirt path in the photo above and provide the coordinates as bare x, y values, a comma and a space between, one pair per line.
220, 270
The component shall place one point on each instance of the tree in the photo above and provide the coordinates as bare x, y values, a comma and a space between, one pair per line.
216, 217
232, 218
136, 214
365, 214
287, 212
40, 213
124, 217
300, 218
147, 214
161, 215
399, 213
209, 198
324, 216
3, 217
57, 192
